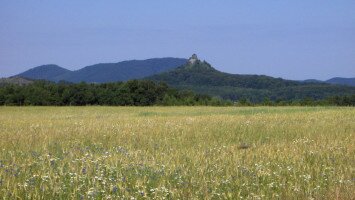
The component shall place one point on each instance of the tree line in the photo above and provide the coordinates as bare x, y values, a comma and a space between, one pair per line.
135, 93
346, 100
130, 93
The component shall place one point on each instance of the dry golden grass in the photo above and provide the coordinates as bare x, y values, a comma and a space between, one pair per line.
177, 153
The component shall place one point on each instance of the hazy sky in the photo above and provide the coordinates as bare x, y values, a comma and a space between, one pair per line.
297, 39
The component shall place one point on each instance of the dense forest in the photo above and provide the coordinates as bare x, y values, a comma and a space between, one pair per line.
130, 93
133, 93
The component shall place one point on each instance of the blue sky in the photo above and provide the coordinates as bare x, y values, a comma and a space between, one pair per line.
290, 39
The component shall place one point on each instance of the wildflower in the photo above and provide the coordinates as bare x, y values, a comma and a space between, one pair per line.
271, 185
91, 192
45, 178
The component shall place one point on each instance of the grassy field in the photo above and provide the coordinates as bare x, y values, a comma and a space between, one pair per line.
177, 153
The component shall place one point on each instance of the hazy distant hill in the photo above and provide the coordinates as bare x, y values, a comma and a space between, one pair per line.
312, 81
336, 80
122, 71
201, 77
342, 81
105, 72
46, 72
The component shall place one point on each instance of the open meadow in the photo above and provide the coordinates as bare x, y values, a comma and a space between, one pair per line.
177, 153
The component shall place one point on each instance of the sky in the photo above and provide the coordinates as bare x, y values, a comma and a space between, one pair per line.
296, 40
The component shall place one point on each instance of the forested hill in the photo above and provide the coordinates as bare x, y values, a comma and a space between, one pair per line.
105, 72
201, 77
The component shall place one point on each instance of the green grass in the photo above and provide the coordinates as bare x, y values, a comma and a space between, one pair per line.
177, 153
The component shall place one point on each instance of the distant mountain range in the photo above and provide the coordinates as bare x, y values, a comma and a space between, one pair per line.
199, 76
105, 72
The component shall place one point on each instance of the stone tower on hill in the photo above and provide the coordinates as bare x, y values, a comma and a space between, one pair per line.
193, 59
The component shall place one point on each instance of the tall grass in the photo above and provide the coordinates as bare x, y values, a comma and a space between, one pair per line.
177, 153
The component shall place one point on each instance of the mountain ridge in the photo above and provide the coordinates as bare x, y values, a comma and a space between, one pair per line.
198, 76
104, 72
